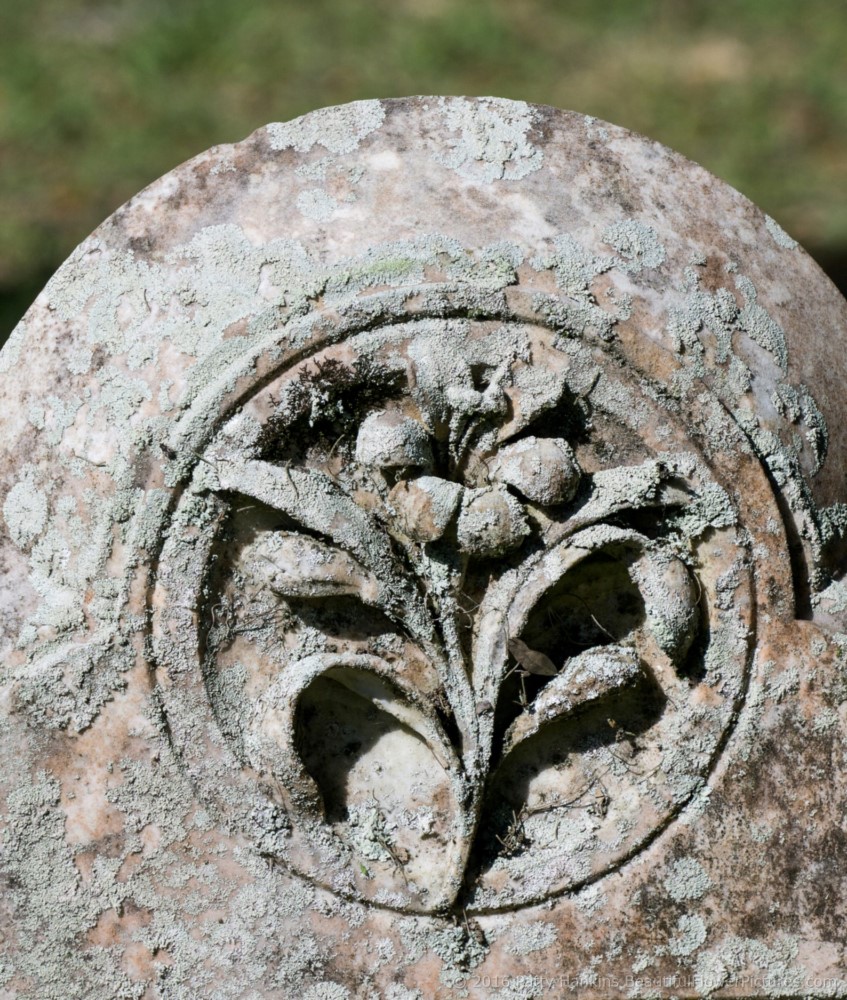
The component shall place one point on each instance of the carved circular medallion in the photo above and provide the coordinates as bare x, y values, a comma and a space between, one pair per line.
460, 606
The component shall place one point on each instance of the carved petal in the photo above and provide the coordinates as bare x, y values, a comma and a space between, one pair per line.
424, 507
389, 440
491, 522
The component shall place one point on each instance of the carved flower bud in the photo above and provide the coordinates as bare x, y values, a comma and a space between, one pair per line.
391, 440
491, 521
670, 600
424, 507
544, 470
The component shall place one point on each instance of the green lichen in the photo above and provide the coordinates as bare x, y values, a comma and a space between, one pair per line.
338, 129
637, 244
25, 510
779, 234
686, 879
493, 141
690, 936
528, 938
316, 204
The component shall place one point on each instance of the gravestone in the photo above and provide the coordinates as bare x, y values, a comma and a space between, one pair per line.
423, 531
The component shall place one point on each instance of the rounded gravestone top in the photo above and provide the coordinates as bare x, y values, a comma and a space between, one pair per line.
411, 514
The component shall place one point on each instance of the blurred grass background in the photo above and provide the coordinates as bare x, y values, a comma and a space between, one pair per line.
98, 98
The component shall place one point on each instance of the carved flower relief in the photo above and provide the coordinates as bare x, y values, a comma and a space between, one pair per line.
488, 520
467, 671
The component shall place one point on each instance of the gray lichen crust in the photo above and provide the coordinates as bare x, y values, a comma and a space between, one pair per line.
424, 530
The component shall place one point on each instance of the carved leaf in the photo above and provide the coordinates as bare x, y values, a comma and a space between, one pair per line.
316, 502
357, 695
628, 488
584, 679
294, 565
369, 677
524, 591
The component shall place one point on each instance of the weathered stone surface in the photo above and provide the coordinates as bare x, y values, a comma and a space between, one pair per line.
424, 524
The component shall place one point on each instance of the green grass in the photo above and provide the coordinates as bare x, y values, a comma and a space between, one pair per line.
97, 99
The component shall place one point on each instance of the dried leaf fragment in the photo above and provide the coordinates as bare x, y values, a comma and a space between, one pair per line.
531, 660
